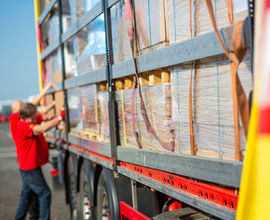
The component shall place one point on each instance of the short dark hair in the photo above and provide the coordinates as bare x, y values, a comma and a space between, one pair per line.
27, 110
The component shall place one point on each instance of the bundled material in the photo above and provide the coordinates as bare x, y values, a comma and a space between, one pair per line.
212, 106
103, 98
53, 29
89, 4
182, 22
93, 55
70, 62
53, 68
121, 46
74, 111
89, 111
156, 102
150, 27
150, 24
160, 23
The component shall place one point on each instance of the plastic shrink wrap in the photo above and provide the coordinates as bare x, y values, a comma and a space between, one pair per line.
89, 111
103, 98
92, 56
74, 111
121, 45
180, 18
155, 102
211, 104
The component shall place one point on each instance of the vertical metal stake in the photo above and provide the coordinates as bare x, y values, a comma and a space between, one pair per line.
67, 125
112, 104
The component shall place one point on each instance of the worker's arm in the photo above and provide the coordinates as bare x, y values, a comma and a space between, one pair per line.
45, 109
41, 94
39, 129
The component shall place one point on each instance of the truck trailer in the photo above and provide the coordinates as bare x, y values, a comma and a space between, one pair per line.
157, 96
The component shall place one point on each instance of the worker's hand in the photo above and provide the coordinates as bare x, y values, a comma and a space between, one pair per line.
48, 86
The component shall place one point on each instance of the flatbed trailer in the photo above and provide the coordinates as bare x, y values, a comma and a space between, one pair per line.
128, 182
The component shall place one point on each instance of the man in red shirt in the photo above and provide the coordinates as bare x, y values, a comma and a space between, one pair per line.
14, 118
33, 152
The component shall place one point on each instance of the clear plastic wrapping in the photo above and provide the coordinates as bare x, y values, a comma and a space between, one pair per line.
53, 29
92, 56
212, 106
70, 61
89, 111
121, 45
150, 26
53, 68
43, 4
179, 17
103, 98
89, 4
155, 102
66, 12
74, 111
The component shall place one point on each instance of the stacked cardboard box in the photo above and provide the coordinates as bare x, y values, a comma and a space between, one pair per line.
182, 23
74, 110
155, 102
211, 104
121, 45
89, 111
103, 98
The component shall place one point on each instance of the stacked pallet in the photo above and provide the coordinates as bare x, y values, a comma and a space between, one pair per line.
157, 99
161, 23
121, 45
103, 99
74, 111
89, 111
212, 106
182, 22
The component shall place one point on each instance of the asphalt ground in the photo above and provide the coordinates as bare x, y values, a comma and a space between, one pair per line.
10, 182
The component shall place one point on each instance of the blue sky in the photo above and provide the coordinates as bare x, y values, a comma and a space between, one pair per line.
18, 59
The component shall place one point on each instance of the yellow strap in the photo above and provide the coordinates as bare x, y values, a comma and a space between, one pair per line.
230, 12
124, 117
235, 114
191, 131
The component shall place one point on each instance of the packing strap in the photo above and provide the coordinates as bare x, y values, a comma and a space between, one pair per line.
131, 33
191, 129
239, 97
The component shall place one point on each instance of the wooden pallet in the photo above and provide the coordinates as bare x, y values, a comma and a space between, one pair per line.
103, 86
151, 78
90, 135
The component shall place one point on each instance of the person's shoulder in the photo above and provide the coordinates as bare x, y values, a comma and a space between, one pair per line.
22, 125
14, 116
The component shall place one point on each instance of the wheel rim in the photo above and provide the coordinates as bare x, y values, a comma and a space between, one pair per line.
86, 203
105, 207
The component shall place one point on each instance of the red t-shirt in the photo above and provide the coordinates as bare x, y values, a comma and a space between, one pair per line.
33, 150
13, 120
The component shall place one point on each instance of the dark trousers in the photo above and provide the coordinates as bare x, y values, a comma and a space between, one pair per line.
33, 209
33, 180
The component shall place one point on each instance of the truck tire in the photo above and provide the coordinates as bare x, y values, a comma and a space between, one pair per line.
85, 197
107, 201
71, 186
